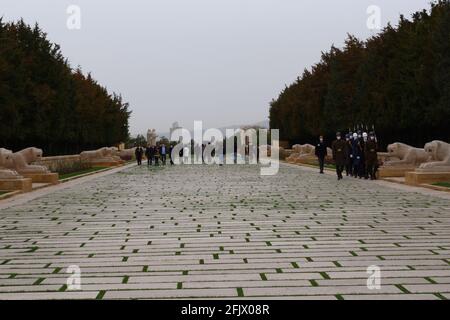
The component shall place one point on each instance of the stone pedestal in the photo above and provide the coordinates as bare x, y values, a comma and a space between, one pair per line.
394, 171
307, 160
105, 163
52, 178
420, 177
23, 185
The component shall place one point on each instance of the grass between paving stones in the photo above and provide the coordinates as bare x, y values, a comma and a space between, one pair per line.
439, 184
440, 296
100, 294
402, 288
219, 252
78, 173
4, 192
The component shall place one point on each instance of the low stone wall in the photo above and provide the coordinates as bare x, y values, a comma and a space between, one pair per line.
61, 163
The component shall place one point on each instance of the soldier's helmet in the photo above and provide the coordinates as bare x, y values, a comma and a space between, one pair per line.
338, 134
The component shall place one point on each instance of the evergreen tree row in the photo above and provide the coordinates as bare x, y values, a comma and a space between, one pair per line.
44, 103
397, 81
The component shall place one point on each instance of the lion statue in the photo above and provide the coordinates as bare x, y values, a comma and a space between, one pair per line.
439, 152
101, 155
127, 154
303, 149
21, 161
92, 155
113, 152
6, 161
407, 155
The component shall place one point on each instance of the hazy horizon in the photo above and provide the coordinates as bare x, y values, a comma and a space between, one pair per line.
221, 62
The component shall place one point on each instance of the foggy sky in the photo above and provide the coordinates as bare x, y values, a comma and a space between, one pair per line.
220, 61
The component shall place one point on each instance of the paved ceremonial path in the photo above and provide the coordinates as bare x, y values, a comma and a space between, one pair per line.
226, 232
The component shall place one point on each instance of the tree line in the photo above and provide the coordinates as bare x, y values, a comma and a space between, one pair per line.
397, 81
47, 104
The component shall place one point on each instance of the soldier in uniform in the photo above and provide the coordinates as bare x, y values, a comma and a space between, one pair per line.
371, 156
339, 148
348, 160
356, 155
363, 168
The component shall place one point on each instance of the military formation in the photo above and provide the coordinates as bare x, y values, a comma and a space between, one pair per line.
356, 153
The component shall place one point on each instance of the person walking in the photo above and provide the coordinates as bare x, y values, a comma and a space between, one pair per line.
170, 155
349, 156
148, 154
371, 156
139, 152
156, 156
363, 166
162, 151
339, 148
321, 152
356, 155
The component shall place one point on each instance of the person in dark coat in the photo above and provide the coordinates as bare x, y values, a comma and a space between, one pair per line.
148, 154
339, 148
348, 160
162, 152
356, 155
362, 167
170, 154
139, 153
371, 156
321, 152
156, 156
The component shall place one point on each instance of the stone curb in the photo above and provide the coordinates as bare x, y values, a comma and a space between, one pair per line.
86, 174
9, 194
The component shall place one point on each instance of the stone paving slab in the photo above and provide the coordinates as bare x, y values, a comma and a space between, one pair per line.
209, 232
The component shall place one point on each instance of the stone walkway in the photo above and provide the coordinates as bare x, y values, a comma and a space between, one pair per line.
226, 232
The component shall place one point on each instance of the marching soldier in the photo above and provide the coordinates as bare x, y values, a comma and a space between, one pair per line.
356, 155
371, 156
348, 160
339, 148
363, 168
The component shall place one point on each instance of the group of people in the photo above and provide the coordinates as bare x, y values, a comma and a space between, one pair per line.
198, 153
356, 154
154, 154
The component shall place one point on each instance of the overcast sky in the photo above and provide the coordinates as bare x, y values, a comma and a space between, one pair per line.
220, 61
